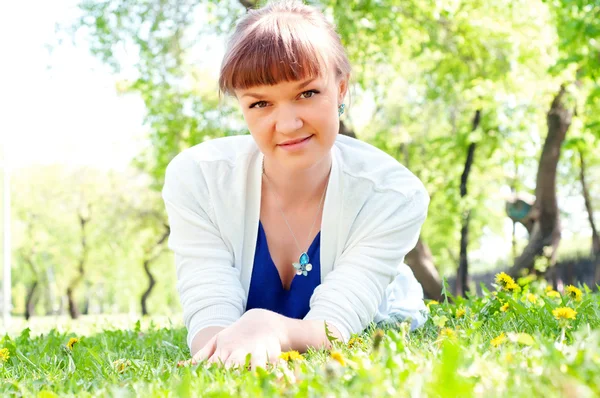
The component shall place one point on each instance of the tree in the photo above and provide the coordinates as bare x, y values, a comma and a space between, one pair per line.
577, 27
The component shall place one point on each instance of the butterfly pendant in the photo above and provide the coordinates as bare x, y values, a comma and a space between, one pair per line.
303, 266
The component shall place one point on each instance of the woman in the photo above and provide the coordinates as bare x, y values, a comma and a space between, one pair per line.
277, 233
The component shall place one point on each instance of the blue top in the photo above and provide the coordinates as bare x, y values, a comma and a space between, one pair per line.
266, 289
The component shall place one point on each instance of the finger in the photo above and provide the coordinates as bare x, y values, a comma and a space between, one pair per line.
206, 351
274, 355
237, 358
259, 358
219, 357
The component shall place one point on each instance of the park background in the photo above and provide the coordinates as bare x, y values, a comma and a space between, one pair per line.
495, 106
99, 96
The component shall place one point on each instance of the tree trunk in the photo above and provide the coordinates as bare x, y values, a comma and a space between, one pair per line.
462, 275
151, 284
249, 4
157, 249
420, 261
73, 309
590, 213
344, 130
546, 227
30, 301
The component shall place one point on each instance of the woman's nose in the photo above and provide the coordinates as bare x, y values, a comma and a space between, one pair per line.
288, 121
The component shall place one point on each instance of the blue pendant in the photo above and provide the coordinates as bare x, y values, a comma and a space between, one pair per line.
303, 266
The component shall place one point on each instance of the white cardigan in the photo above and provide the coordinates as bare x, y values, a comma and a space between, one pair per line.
373, 212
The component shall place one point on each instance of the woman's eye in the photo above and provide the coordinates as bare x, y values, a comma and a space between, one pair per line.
259, 104
311, 92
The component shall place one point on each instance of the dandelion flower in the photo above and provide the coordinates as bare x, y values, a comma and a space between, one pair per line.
498, 340
503, 279
574, 292
291, 356
4, 355
564, 313
460, 312
532, 298
449, 333
432, 302
121, 365
512, 287
355, 341
548, 288
72, 342
553, 294
377, 338
504, 308
338, 357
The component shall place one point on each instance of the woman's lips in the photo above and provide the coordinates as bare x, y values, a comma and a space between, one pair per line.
297, 145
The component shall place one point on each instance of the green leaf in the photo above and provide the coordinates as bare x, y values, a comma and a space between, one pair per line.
330, 336
521, 338
439, 321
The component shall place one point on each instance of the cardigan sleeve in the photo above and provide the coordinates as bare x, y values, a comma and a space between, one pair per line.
208, 284
385, 230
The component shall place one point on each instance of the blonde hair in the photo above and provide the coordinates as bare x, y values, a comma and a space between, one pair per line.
284, 41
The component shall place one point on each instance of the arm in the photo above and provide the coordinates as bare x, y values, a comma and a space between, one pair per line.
300, 334
208, 284
385, 230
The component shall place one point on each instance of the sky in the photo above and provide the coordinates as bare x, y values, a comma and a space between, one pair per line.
60, 106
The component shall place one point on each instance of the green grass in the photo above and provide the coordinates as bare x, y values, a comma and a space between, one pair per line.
451, 356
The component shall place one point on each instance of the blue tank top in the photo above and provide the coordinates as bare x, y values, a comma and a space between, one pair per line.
266, 290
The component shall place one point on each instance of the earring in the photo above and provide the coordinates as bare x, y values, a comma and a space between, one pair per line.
341, 109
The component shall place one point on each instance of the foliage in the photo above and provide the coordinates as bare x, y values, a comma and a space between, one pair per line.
503, 344
126, 220
425, 68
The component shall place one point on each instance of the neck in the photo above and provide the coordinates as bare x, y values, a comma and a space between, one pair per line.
298, 186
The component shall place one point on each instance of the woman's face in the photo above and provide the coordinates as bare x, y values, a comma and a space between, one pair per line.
294, 123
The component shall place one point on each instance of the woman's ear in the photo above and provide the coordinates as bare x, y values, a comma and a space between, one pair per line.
342, 88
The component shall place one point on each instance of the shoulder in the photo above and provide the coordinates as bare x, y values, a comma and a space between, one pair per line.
226, 150
196, 168
365, 166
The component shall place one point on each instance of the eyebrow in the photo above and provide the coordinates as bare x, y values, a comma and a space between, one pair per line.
298, 87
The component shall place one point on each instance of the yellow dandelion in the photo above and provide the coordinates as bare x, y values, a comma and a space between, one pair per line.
460, 312
574, 292
548, 288
503, 279
121, 365
564, 313
355, 341
447, 332
4, 354
509, 357
291, 356
553, 294
46, 394
496, 341
338, 357
72, 342
512, 287
432, 302
504, 308
532, 298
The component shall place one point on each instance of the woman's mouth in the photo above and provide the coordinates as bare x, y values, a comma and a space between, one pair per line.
296, 144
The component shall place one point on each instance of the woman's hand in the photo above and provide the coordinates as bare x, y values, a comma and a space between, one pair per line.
260, 333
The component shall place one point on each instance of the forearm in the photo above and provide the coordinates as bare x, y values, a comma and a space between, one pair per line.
300, 334
203, 336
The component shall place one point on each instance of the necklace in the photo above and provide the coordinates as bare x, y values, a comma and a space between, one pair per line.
303, 266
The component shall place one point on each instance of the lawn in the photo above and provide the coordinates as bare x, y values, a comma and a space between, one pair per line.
521, 340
